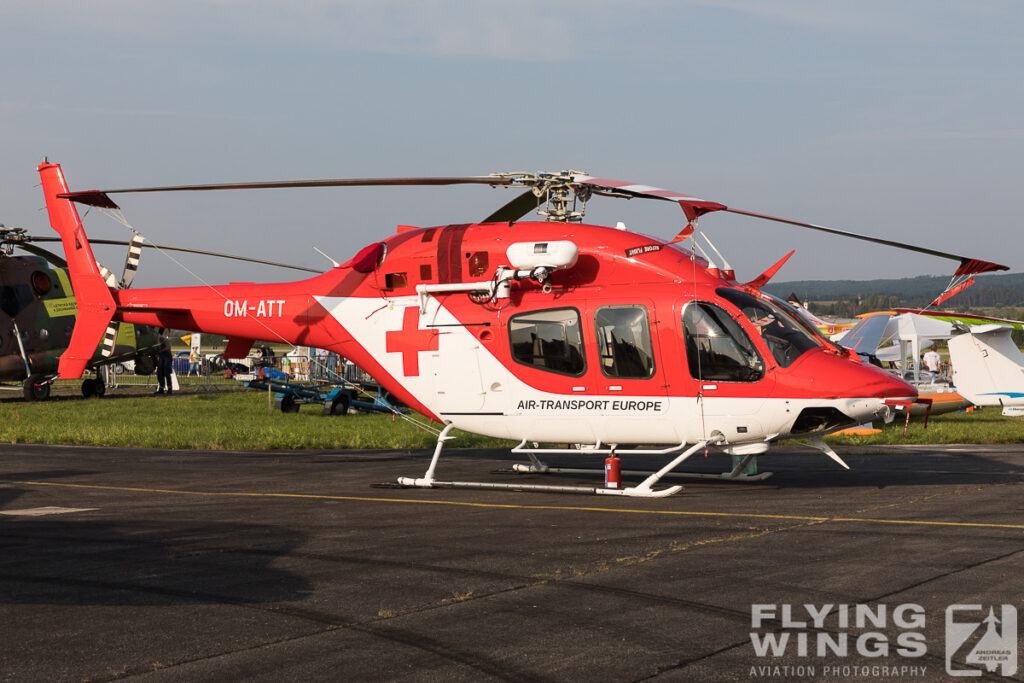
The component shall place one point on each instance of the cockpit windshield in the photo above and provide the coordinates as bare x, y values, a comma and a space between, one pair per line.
785, 336
805, 321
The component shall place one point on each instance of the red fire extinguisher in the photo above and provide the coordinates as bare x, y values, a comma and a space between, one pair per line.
612, 472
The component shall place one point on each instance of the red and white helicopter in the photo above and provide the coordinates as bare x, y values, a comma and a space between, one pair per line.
552, 331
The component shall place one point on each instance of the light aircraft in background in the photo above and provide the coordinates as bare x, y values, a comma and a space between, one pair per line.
882, 337
547, 332
988, 368
963, 318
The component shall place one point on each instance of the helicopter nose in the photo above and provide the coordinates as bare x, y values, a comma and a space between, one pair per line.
864, 380
874, 393
888, 385
839, 392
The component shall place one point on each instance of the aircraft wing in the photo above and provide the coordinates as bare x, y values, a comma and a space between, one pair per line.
966, 319
865, 336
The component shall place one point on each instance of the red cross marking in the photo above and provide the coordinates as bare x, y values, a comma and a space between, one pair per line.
410, 340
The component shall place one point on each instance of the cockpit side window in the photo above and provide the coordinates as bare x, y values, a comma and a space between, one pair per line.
624, 342
548, 340
786, 337
717, 348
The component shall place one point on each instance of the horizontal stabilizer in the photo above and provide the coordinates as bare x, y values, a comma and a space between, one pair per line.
237, 347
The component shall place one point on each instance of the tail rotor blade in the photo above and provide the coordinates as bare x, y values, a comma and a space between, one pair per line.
107, 276
131, 263
109, 337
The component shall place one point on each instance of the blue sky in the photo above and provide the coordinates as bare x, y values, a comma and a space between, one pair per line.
897, 119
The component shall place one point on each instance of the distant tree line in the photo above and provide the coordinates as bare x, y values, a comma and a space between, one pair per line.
852, 297
998, 296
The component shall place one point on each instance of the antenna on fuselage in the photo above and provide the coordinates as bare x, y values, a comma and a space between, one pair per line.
333, 262
725, 264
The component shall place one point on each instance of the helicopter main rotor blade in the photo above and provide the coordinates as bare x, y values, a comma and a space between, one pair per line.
694, 208
46, 254
188, 251
100, 198
515, 209
968, 265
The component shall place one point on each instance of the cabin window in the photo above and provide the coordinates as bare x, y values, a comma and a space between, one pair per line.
717, 348
426, 274
624, 342
786, 338
395, 281
548, 340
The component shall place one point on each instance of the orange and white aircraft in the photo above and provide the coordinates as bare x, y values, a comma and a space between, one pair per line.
552, 331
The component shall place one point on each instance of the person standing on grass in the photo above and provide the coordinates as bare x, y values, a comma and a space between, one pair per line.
163, 368
193, 361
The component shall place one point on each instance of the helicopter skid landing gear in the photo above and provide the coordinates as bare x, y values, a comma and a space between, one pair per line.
738, 474
642, 490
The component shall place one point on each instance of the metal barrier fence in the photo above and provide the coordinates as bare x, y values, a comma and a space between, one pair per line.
214, 374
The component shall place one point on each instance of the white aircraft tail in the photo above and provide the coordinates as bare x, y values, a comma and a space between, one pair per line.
988, 368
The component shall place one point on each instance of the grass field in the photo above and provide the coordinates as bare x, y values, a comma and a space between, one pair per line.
223, 420
984, 425
241, 421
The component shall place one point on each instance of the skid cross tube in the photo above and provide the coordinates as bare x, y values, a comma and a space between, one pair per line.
541, 468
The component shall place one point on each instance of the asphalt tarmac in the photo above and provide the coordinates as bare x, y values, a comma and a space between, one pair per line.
277, 566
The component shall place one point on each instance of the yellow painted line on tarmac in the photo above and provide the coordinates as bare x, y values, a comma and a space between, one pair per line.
508, 506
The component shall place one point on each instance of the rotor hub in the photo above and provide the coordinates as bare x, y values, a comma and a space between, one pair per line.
560, 198
11, 237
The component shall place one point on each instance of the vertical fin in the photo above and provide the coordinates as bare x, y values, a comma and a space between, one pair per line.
95, 303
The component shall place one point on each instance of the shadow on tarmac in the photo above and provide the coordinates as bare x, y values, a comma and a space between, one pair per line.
55, 561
